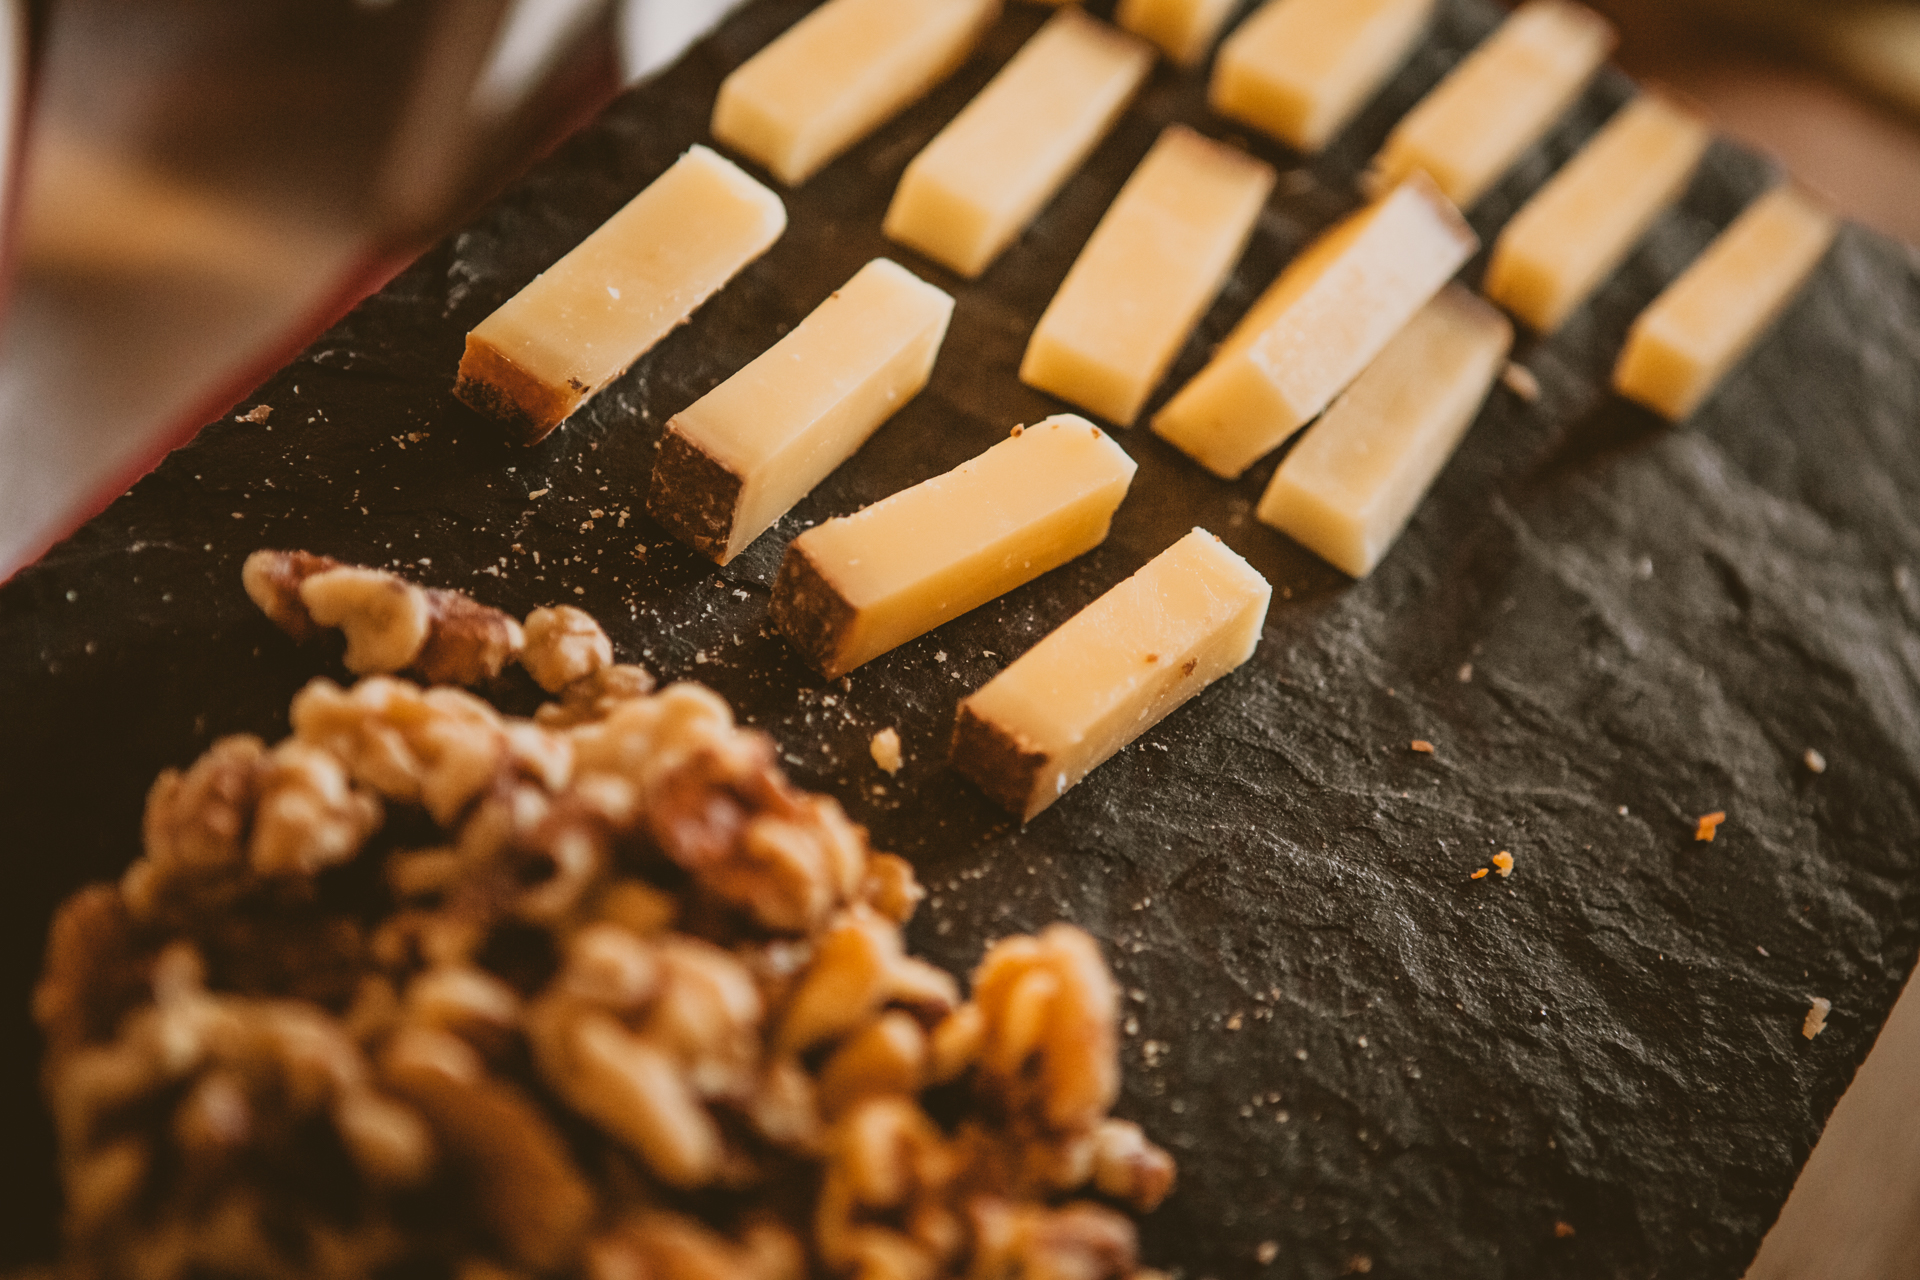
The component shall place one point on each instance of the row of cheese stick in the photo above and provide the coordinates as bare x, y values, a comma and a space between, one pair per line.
1345, 491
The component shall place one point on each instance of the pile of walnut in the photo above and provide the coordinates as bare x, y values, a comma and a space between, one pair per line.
428, 989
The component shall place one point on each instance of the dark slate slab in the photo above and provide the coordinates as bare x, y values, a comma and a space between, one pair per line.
1357, 1052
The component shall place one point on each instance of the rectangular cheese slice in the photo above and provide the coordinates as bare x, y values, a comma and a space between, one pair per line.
840, 73
1149, 270
580, 323
1184, 29
738, 458
1350, 485
1580, 226
1317, 326
1300, 70
1699, 328
1498, 102
1110, 673
983, 178
854, 587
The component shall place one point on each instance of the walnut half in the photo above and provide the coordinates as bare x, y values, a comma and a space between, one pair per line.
391, 624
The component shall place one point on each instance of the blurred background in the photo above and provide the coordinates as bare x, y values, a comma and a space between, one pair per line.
196, 188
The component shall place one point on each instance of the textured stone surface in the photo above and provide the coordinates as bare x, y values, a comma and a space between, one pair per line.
1357, 1051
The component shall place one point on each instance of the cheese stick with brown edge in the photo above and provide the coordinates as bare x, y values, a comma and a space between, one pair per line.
1110, 673
1300, 70
1707, 320
986, 175
734, 461
582, 322
1152, 266
840, 73
1580, 226
1350, 485
1499, 100
1184, 29
1317, 326
854, 587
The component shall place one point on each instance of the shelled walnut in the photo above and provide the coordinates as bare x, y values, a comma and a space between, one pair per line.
613, 970
391, 625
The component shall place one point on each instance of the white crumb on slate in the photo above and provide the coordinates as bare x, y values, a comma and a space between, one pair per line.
1520, 380
1816, 1017
886, 750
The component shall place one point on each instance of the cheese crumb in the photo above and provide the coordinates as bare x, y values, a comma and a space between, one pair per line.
1816, 763
1816, 1018
885, 748
1481, 874
1562, 1230
1520, 380
1424, 747
1709, 825
259, 413
1503, 864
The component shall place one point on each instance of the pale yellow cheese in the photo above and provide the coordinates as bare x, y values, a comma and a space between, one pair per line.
1350, 485
1149, 270
1317, 326
854, 587
1110, 673
1302, 69
982, 179
1579, 227
1699, 328
579, 324
1184, 29
1498, 102
840, 73
734, 461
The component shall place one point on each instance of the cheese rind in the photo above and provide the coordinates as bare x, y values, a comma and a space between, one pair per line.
1348, 488
1579, 227
1681, 346
738, 458
1499, 100
583, 321
1184, 29
840, 73
1316, 327
854, 587
1110, 673
1302, 69
1152, 266
982, 179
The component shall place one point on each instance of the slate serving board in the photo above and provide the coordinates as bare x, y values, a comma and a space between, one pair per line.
1357, 1052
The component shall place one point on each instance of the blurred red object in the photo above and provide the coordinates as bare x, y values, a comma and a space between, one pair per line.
203, 185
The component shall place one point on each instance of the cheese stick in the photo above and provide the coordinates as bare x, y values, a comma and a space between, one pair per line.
1110, 673
1502, 97
840, 73
982, 179
1302, 69
1350, 485
1579, 227
1706, 321
1184, 29
578, 325
1147, 273
734, 461
854, 587
1313, 330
